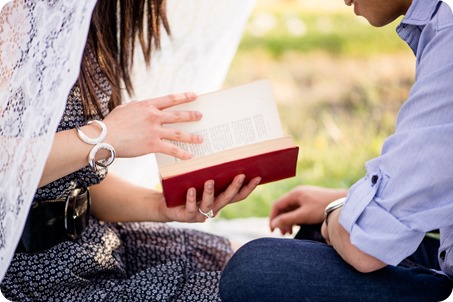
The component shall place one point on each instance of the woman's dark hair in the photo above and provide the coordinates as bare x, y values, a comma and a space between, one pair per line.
115, 27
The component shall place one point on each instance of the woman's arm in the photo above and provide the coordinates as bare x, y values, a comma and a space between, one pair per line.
117, 200
120, 201
133, 129
69, 154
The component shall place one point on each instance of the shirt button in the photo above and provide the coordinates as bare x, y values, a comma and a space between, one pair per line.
442, 256
374, 179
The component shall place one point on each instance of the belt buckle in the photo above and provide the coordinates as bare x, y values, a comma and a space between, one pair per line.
77, 211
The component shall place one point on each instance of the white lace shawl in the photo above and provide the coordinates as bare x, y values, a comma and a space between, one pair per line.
41, 44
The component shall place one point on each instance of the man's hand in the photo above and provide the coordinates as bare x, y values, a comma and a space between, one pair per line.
302, 205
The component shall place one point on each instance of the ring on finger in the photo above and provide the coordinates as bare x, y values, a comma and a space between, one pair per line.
209, 214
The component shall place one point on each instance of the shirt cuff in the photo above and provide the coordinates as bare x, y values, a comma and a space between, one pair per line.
372, 228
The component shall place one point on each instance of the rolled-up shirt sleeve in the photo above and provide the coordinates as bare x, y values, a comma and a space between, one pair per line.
374, 229
408, 189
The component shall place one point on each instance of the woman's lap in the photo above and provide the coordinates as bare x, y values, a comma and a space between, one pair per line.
272, 269
129, 262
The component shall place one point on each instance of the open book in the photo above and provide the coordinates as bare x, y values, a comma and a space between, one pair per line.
242, 134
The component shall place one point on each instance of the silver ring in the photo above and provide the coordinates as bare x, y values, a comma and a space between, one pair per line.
209, 214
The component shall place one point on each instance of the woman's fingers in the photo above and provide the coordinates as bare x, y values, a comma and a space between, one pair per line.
191, 202
246, 190
207, 201
179, 116
230, 193
210, 205
174, 99
180, 136
173, 150
138, 128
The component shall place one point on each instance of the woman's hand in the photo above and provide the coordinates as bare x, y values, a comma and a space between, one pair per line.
302, 205
136, 128
189, 212
117, 200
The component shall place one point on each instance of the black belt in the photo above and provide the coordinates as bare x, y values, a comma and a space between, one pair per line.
50, 222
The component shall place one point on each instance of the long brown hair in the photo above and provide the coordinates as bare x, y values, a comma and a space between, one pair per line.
115, 26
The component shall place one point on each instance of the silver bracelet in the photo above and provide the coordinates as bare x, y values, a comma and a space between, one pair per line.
93, 140
103, 162
98, 145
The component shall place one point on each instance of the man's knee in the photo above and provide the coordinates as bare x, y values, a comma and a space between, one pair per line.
243, 274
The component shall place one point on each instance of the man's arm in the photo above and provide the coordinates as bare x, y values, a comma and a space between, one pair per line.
338, 237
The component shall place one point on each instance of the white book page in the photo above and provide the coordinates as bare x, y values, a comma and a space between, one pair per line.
231, 118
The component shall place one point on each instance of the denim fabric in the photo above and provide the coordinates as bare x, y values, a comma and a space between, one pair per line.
284, 270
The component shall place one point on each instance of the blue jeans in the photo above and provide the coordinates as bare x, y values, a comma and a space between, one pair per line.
283, 270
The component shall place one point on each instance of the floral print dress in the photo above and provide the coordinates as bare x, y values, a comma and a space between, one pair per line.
116, 261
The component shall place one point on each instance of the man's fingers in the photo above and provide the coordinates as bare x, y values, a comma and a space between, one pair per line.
285, 220
287, 201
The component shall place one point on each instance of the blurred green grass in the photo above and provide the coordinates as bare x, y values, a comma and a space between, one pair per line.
339, 34
338, 83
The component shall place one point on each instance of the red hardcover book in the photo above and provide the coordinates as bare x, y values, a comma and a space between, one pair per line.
270, 166
242, 134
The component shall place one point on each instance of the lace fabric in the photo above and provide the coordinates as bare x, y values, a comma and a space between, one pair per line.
41, 45
204, 38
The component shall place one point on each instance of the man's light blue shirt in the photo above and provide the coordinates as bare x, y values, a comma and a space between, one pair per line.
408, 189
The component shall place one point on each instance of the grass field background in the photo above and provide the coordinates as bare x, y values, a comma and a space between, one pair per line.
338, 81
